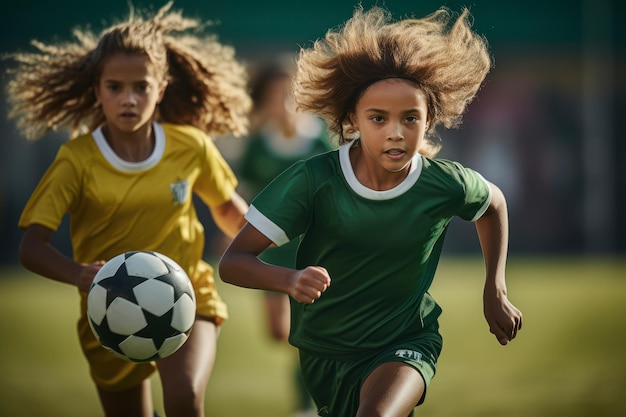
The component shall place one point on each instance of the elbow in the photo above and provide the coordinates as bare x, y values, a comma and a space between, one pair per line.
24, 254
224, 269
23, 258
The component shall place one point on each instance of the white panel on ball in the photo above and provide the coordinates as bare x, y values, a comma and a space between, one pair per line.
97, 304
184, 313
110, 268
124, 317
138, 348
172, 344
142, 264
155, 296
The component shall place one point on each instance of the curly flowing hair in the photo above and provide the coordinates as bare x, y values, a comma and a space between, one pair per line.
53, 88
447, 62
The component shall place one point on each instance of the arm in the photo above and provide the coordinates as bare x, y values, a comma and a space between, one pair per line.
504, 318
240, 266
229, 215
39, 256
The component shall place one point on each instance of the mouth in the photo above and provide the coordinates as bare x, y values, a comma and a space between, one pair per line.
395, 153
128, 115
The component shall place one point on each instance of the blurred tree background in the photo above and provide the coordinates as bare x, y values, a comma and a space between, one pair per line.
545, 127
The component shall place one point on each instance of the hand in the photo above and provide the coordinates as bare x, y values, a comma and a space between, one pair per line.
87, 274
309, 284
504, 319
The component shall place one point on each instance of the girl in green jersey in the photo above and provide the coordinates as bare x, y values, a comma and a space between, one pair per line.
142, 97
373, 214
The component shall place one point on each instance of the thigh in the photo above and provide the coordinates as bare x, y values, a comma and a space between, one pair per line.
186, 372
132, 402
392, 389
109, 372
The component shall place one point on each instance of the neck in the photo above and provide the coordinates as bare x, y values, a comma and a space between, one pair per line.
374, 176
134, 146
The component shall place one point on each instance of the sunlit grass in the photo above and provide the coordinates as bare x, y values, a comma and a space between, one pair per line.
569, 360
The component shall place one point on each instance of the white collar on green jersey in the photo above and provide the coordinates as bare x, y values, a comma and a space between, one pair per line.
126, 166
346, 167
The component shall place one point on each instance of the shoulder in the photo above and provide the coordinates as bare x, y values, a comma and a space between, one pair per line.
80, 142
455, 177
188, 134
79, 148
446, 168
449, 175
190, 138
323, 161
443, 165
313, 171
322, 167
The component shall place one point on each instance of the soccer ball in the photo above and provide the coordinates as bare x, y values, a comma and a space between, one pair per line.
141, 306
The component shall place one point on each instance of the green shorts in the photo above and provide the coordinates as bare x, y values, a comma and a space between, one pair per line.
335, 385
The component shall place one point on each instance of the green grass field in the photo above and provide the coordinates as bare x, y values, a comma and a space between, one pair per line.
569, 360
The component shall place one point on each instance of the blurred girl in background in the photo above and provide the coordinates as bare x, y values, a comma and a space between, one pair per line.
280, 137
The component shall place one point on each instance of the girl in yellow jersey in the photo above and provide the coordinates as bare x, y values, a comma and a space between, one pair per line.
140, 101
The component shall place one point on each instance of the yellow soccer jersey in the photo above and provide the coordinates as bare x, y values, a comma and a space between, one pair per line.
116, 206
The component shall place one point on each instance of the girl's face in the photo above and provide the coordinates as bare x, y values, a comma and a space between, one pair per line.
392, 117
278, 103
129, 91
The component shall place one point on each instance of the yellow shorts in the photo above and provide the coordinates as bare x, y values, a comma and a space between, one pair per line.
114, 374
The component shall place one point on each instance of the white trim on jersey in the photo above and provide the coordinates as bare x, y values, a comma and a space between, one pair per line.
266, 226
484, 207
346, 167
126, 166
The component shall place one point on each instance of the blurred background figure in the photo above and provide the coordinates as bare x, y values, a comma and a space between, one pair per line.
279, 137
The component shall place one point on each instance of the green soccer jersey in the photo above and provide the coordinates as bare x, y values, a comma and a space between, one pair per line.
381, 248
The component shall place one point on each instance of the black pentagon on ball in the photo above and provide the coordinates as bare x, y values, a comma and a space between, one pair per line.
121, 285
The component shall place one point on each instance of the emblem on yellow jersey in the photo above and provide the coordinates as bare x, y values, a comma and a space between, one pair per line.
179, 190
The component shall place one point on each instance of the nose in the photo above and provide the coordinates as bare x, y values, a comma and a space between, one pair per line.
129, 97
395, 132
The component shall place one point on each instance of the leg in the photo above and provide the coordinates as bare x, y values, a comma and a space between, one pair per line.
185, 374
136, 401
278, 315
304, 402
391, 390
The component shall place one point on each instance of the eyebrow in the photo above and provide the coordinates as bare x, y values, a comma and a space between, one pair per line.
375, 110
114, 80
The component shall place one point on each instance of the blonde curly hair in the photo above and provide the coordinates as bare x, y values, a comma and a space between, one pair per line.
448, 63
53, 88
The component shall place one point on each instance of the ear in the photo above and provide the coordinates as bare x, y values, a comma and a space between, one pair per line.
352, 119
349, 128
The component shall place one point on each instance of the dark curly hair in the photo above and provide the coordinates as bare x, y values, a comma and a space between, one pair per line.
448, 63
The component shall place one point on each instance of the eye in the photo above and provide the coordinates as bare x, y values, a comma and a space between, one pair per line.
377, 119
412, 119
